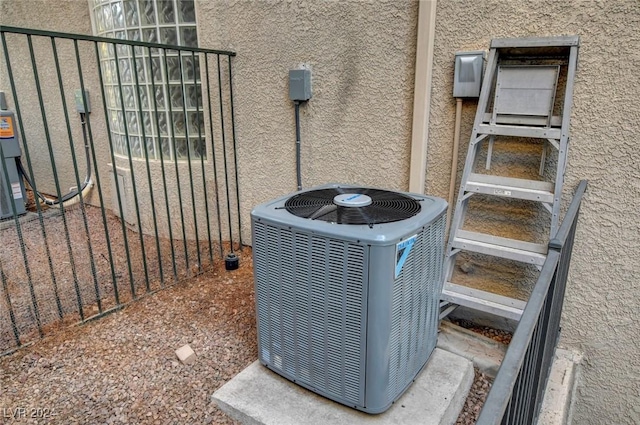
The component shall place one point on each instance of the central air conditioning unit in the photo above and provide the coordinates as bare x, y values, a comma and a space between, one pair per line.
348, 282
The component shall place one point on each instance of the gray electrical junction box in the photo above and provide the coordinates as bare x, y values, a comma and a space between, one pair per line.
300, 84
11, 184
79, 101
467, 76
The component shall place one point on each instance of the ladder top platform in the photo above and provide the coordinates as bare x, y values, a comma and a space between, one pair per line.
532, 42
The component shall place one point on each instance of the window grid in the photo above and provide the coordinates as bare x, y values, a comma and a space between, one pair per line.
159, 21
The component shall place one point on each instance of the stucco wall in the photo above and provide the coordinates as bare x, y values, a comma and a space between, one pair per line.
600, 313
357, 126
63, 16
355, 129
41, 14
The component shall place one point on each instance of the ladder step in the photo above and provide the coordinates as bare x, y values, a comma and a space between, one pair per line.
532, 190
556, 120
488, 302
519, 131
512, 249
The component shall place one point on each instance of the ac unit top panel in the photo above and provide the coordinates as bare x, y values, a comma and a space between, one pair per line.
274, 212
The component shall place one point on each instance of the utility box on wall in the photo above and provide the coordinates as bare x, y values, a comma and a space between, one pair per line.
467, 76
11, 184
300, 84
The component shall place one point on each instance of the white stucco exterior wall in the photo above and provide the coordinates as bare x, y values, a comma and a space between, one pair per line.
73, 16
70, 16
601, 307
357, 125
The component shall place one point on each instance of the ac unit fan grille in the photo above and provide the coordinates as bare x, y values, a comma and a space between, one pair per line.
386, 206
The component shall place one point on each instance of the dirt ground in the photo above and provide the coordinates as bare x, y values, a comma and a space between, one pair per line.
122, 369
52, 268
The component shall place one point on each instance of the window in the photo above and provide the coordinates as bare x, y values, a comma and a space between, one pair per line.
157, 21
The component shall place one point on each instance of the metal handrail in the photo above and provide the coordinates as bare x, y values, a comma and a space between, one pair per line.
82, 37
528, 359
498, 398
558, 241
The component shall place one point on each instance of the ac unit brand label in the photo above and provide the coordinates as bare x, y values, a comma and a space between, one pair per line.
17, 190
402, 252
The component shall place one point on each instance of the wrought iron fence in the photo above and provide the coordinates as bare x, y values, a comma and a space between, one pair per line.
159, 201
517, 392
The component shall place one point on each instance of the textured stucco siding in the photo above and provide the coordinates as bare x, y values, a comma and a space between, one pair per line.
357, 126
355, 129
56, 16
601, 308
63, 16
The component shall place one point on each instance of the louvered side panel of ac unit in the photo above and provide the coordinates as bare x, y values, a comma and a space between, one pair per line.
5, 191
414, 314
310, 294
13, 188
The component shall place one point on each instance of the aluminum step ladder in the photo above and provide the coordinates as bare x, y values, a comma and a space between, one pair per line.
516, 103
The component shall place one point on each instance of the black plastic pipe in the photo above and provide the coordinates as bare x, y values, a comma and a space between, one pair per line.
298, 172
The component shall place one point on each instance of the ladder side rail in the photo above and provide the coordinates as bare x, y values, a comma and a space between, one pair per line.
485, 91
564, 138
474, 144
462, 203
460, 211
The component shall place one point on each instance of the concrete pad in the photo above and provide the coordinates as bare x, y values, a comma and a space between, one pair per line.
556, 404
485, 353
258, 396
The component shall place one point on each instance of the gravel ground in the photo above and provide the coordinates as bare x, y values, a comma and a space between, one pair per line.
499, 335
481, 383
62, 267
475, 400
122, 369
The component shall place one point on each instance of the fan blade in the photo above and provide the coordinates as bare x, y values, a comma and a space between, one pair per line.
362, 216
324, 210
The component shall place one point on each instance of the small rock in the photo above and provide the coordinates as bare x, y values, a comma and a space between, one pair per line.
186, 355
467, 267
